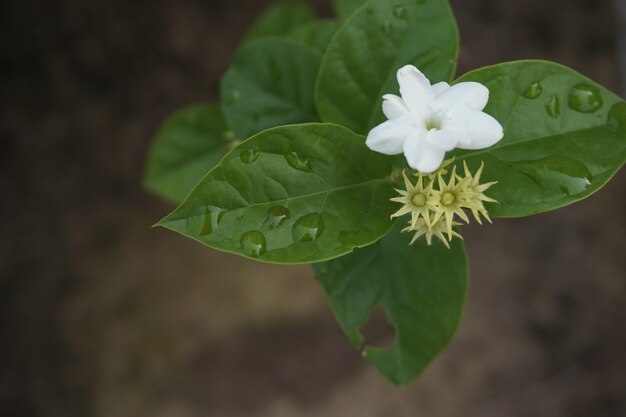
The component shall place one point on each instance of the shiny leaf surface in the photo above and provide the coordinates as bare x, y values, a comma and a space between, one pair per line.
187, 145
565, 136
270, 83
293, 194
361, 62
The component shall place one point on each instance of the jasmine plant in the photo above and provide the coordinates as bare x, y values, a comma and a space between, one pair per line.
311, 158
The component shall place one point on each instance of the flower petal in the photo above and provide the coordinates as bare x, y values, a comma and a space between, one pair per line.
415, 89
394, 107
440, 88
388, 137
445, 139
482, 130
472, 94
422, 156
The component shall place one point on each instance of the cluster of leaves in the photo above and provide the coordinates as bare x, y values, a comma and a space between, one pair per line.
279, 172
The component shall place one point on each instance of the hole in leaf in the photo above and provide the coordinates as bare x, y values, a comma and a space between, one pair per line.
378, 331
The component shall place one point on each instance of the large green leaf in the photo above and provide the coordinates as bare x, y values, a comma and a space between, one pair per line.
279, 19
565, 136
293, 194
270, 84
187, 145
317, 34
345, 8
421, 288
361, 62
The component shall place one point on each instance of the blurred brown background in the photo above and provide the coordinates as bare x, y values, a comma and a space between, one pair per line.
103, 316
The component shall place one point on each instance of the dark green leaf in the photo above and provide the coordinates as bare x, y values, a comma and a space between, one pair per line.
345, 8
293, 194
564, 136
270, 84
316, 34
421, 288
279, 19
187, 145
361, 62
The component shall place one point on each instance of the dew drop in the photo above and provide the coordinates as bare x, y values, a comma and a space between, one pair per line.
565, 175
308, 228
386, 28
249, 156
553, 106
585, 98
212, 218
617, 118
276, 216
253, 244
533, 90
297, 162
399, 11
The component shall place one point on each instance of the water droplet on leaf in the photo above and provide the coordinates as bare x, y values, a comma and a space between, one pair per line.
553, 106
565, 175
617, 118
276, 216
212, 218
249, 156
585, 98
399, 12
253, 244
533, 90
297, 162
308, 228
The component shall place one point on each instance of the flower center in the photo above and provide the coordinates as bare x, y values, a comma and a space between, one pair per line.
419, 200
448, 198
433, 123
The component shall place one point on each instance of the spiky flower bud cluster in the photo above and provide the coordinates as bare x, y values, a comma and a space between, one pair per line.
434, 202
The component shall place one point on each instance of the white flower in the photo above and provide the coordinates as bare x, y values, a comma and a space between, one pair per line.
427, 121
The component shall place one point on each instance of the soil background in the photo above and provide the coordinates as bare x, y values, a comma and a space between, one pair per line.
100, 315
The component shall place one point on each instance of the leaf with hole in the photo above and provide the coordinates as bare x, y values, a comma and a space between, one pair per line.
270, 83
421, 288
188, 144
293, 194
361, 62
565, 136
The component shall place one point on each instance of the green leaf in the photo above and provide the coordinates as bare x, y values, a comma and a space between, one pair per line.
565, 136
316, 34
345, 8
279, 19
270, 84
361, 62
421, 288
293, 194
187, 145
